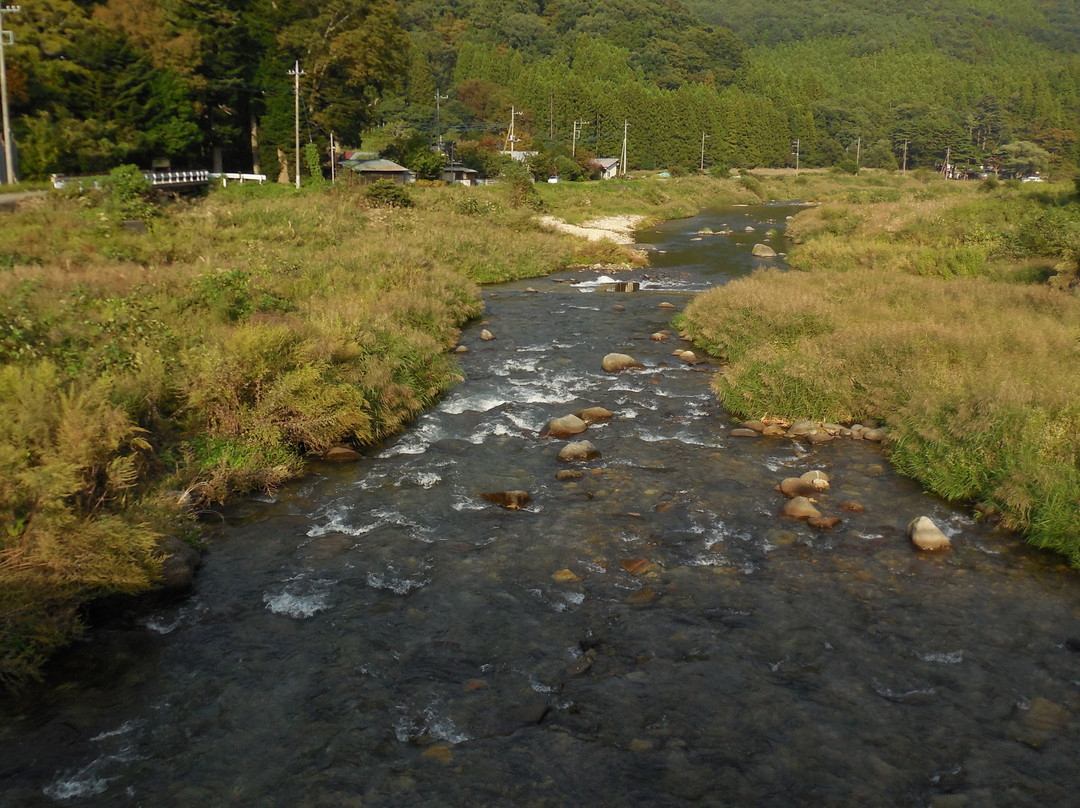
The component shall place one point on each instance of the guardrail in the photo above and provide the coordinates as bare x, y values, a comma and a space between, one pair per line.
259, 178
164, 179
158, 179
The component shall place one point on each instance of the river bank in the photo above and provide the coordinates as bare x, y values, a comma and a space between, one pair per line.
948, 314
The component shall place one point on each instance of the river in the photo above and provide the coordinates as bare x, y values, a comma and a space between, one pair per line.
649, 633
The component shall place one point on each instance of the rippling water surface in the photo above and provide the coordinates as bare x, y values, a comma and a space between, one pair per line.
651, 633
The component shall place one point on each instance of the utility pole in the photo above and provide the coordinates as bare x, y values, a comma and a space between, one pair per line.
703, 136
795, 151
573, 142
296, 73
6, 38
438, 118
905, 156
510, 138
625, 126
333, 160
945, 168
858, 149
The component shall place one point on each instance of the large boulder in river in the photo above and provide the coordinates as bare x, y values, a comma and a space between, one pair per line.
615, 362
925, 535
563, 427
764, 251
580, 450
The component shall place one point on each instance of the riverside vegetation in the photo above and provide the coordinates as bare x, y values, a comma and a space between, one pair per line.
156, 362
946, 310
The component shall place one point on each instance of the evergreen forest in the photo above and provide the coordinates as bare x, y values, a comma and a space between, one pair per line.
982, 84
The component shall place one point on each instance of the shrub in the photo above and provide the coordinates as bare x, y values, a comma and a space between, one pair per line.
523, 192
753, 185
128, 194
388, 194
846, 166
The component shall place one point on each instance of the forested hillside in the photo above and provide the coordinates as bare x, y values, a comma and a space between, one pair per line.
730, 83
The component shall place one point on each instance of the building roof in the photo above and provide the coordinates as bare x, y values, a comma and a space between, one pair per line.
604, 162
461, 168
380, 166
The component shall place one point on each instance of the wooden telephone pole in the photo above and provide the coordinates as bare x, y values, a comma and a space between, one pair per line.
9, 152
296, 73
625, 126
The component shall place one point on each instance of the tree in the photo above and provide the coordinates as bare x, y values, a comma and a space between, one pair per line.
1023, 158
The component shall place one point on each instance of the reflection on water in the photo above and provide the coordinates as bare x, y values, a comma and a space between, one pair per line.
649, 632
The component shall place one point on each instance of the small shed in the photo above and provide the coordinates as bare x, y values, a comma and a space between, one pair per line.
607, 166
459, 174
371, 171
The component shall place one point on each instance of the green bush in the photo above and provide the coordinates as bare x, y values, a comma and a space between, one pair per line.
388, 194
523, 192
128, 194
753, 185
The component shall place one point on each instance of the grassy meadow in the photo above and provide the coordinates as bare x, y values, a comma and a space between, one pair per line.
156, 361
947, 311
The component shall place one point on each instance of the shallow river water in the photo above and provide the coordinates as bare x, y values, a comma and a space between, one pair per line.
651, 633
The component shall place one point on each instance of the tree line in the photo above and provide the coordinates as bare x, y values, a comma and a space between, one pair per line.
205, 82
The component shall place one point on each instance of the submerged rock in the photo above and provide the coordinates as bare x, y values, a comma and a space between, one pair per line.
800, 508
511, 500
341, 454
178, 568
486, 335
580, 450
925, 535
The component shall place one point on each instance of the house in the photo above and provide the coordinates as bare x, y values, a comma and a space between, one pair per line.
458, 174
608, 167
373, 170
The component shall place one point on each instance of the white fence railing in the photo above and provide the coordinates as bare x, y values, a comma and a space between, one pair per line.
158, 179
